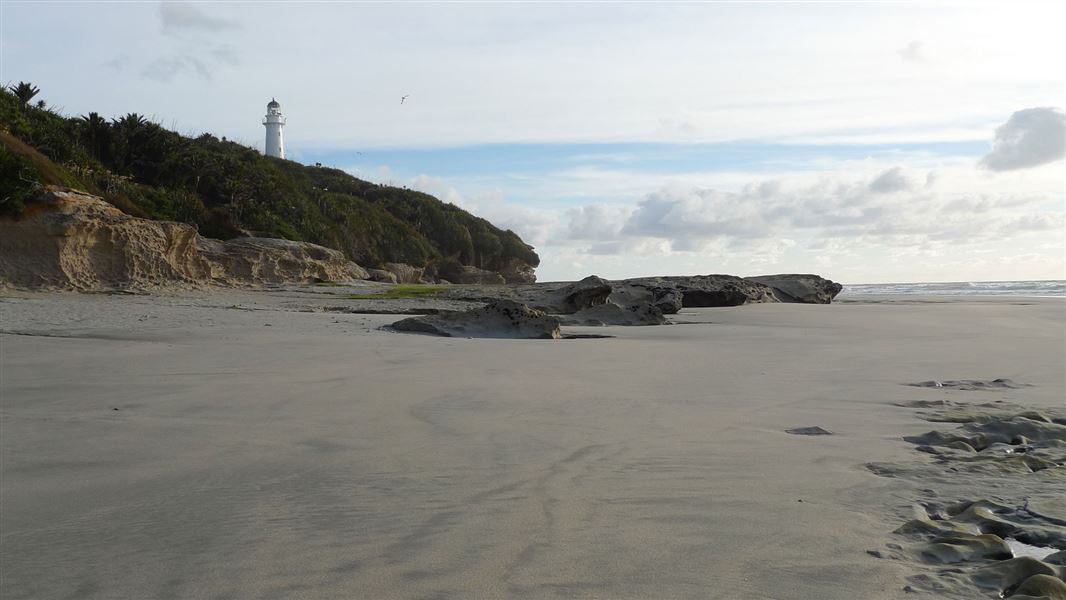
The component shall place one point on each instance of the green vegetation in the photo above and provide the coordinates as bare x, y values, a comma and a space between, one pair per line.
400, 291
228, 190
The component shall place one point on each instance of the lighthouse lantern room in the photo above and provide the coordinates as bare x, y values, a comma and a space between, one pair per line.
275, 145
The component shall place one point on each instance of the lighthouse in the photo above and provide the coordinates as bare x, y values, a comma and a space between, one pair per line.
275, 145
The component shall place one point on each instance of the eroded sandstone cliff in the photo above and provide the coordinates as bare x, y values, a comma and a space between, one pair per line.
71, 240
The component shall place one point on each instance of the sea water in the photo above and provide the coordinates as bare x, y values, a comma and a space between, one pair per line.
1055, 288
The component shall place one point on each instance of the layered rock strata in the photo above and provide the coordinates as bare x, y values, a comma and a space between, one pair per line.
72, 240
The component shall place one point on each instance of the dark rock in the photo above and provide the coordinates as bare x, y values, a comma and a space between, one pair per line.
971, 385
668, 300
699, 291
809, 431
960, 548
1042, 586
807, 289
573, 297
498, 319
1008, 574
614, 314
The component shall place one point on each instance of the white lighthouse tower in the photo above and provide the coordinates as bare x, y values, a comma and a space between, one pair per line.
275, 145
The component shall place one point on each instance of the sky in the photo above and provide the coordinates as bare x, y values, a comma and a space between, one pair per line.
867, 142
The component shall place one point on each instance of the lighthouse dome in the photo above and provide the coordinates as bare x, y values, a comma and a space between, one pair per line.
273, 104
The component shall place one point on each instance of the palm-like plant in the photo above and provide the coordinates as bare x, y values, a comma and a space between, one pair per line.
25, 91
131, 122
97, 134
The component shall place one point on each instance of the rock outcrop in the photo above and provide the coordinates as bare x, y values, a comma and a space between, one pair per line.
497, 319
517, 271
71, 240
381, 275
273, 260
611, 313
570, 298
473, 275
712, 290
404, 273
808, 289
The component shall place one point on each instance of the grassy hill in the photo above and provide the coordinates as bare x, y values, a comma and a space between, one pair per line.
228, 190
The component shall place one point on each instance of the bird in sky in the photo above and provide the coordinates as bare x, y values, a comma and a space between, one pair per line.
402, 98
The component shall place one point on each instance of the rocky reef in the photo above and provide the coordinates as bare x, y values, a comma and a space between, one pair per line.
498, 319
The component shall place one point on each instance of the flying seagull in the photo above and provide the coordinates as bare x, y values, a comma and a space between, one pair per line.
402, 98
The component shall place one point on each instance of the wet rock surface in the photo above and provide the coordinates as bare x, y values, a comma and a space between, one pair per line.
971, 385
1007, 543
809, 431
498, 319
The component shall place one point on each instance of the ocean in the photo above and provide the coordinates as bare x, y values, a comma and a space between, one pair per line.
1055, 288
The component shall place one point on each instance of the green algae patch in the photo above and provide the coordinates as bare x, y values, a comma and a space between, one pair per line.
400, 291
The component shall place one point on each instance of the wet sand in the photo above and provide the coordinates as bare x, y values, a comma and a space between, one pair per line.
260, 451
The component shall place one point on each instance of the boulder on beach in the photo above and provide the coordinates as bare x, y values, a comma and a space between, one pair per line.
573, 297
807, 289
597, 301
68, 239
497, 319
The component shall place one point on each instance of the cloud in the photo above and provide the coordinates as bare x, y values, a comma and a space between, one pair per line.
889, 209
913, 52
1030, 137
194, 54
533, 226
169, 67
595, 222
892, 180
177, 17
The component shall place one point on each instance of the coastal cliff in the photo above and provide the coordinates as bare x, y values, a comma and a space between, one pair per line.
229, 191
67, 239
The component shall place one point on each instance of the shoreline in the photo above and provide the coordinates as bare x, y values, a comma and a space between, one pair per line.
263, 446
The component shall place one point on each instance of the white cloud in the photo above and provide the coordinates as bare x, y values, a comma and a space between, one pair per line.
892, 180
642, 75
913, 52
1030, 137
177, 17
533, 226
595, 222
169, 67
888, 209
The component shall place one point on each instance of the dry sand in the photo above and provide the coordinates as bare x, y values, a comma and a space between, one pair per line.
262, 452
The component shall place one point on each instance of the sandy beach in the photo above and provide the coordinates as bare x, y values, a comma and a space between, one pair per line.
244, 444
